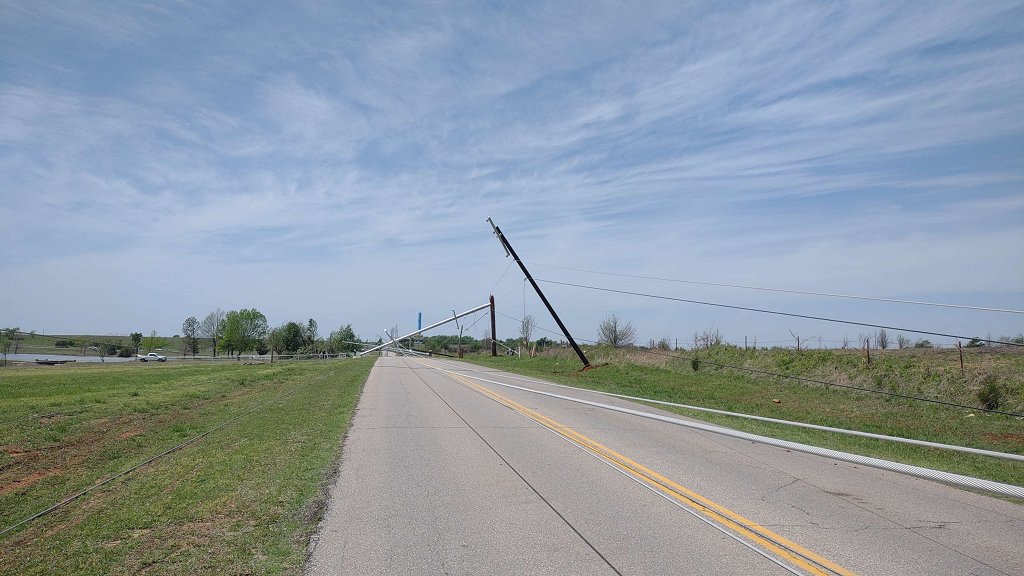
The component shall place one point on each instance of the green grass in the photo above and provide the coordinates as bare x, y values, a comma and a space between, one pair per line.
674, 380
243, 500
43, 344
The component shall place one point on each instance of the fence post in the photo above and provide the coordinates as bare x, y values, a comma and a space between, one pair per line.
961, 350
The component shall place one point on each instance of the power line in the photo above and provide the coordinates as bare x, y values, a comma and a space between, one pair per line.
776, 312
500, 278
788, 291
677, 356
479, 316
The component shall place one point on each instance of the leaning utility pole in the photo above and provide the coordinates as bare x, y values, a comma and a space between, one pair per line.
509, 251
494, 334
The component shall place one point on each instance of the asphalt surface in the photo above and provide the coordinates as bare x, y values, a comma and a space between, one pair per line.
444, 474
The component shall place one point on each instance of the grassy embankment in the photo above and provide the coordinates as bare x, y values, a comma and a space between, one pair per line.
929, 373
84, 344
242, 500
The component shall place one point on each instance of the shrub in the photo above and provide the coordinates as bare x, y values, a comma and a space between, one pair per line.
922, 343
990, 395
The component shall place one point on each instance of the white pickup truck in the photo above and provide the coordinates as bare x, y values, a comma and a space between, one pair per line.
152, 357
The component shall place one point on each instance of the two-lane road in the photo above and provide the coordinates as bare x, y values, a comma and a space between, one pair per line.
444, 473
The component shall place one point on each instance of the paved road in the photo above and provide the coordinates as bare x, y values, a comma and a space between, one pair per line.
443, 474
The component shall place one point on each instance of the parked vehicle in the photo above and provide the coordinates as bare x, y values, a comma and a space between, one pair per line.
152, 357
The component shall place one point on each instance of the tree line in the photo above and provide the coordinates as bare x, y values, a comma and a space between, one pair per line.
237, 332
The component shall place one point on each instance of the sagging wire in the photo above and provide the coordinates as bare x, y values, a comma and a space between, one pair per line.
778, 313
788, 291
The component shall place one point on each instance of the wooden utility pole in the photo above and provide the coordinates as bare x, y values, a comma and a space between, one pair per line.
494, 333
511, 252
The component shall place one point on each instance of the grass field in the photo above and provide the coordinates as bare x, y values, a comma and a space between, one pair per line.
84, 344
932, 373
242, 500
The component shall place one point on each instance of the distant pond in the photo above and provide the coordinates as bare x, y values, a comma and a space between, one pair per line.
34, 357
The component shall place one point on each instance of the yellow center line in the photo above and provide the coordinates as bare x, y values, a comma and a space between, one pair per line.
790, 551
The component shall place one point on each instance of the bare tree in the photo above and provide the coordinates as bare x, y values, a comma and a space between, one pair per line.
709, 338
613, 331
902, 341
212, 327
526, 328
882, 339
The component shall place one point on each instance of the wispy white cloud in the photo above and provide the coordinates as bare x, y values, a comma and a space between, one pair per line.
786, 143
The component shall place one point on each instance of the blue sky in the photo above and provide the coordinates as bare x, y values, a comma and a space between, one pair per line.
338, 161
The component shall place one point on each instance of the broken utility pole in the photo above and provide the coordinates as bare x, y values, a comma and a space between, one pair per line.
509, 251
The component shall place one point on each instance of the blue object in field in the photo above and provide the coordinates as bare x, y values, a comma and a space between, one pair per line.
419, 322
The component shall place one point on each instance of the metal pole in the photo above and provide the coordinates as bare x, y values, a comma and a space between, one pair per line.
432, 326
460, 332
511, 252
494, 333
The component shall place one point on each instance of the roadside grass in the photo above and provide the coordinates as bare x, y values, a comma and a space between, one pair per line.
243, 500
674, 380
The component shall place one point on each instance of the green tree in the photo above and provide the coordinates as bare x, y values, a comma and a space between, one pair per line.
5, 343
289, 338
344, 339
311, 332
231, 333
13, 335
136, 340
104, 349
244, 330
190, 329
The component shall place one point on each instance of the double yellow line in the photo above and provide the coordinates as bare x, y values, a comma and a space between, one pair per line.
784, 549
